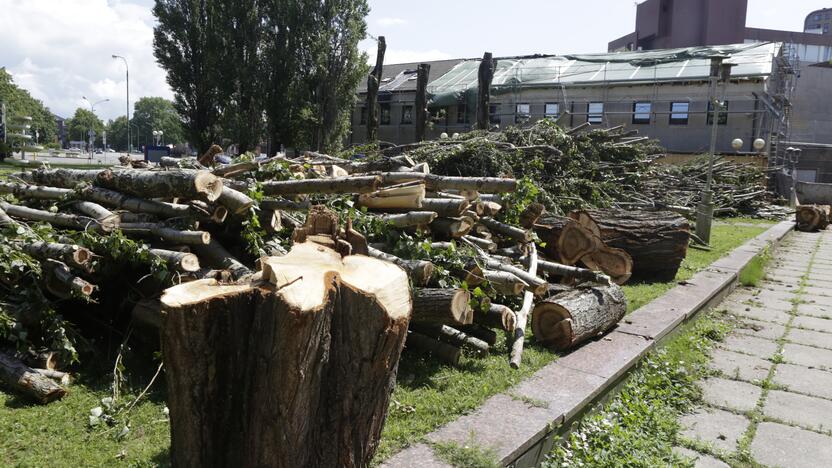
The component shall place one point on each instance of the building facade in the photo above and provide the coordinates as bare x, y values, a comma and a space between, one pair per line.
818, 22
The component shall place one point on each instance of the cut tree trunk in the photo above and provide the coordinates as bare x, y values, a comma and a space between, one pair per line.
574, 316
565, 239
231, 170
407, 196
178, 261
36, 192
446, 353
137, 205
450, 228
361, 184
419, 271
410, 219
452, 336
505, 283
216, 256
162, 184
811, 218
442, 306
497, 316
566, 271
657, 241
106, 218
61, 282
169, 235
616, 263
28, 381
295, 370
447, 207
63, 178
73, 255
507, 231
236, 202
56, 219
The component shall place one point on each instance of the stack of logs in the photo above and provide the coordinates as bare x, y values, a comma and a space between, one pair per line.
812, 218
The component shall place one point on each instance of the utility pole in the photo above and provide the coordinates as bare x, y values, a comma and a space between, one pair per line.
705, 209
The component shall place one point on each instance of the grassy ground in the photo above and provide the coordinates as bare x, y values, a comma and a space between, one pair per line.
639, 426
427, 395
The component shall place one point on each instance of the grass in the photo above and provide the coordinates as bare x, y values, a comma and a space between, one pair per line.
428, 395
724, 238
754, 272
468, 456
639, 426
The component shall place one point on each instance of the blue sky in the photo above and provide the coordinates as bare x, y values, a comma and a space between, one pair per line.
60, 49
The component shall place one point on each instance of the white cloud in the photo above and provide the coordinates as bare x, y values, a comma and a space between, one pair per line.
387, 22
60, 50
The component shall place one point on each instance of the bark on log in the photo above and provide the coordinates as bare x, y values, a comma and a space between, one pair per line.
137, 205
162, 184
507, 231
450, 228
505, 283
446, 353
523, 315
616, 263
23, 379
362, 184
566, 271
216, 256
478, 184
106, 218
566, 240
283, 204
446, 207
811, 218
230, 170
37, 192
572, 317
56, 219
407, 196
442, 306
73, 255
452, 336
178, 261
484, 244
487, 335
63, 178
497, 316
419, 271
410, 219
296, 370
169, 235
236, 202
484, 76
657, 241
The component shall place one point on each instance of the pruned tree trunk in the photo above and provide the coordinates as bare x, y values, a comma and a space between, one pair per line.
442, 306
216, 256
178, 261
657, 241
446, 353
446, 207
452, 336
506, 230
373, 83
484, 77
497, 316
137, 205
421, 108
23, 379
296, 370
410, 219
574, 316
162, 184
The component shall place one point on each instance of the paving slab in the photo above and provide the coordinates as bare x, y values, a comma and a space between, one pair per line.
805, 411
819, 280
745, 344
719, 428
609, 357
771, 304
740, 366
770, 286
820, 310
417, 456
813, 323
810, 338
564, 391
730, 394
802, 379
757, 313
700, 460
790, 447
814, 291
808, 356
654, 320
759, 329
784, 277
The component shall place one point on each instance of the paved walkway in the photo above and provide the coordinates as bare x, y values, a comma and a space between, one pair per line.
772, 398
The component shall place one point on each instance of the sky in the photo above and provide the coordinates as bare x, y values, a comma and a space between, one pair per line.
60, 50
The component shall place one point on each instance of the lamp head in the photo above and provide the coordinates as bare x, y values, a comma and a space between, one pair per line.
759, 144
736, 144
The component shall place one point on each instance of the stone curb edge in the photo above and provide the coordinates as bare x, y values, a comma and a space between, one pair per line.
520, 425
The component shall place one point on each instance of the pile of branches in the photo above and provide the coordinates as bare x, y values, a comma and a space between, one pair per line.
739, 189
100, 246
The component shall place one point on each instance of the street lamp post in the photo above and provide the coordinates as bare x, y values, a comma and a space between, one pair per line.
127, 75
92, 132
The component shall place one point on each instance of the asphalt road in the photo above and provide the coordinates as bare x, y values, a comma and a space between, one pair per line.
98, 158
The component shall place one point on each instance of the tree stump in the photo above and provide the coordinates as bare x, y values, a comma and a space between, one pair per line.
574, 316
293, 369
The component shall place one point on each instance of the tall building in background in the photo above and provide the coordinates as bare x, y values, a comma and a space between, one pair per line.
688, 23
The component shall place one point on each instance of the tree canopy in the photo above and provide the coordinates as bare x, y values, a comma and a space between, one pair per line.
20, 103
81, 122
156, 113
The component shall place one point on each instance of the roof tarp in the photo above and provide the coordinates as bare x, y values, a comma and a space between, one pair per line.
693, 63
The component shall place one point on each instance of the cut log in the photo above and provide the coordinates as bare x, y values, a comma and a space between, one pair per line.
408, 196
37, 192
296, 370
657, 241
106, 218
452, 336
362, 184
216, 256
479, 184
162, 184
446, 207
137, 205
565, 239
446, 353
529, 216
506, 230
523, 315
236, 202
566, 271
488, 208
419, 271
572, 317
283, 204
450, 228
230, 170
23, 379
128, 217
73, 255
56, 219
410, 219
505, 283
62, 377
616, 263
487, 335
442, 306
63, 178
485, 244
497, 316
811, 218
178, 261
61, 282
169, 235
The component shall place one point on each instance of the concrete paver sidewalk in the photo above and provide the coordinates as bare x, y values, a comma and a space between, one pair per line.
773, 395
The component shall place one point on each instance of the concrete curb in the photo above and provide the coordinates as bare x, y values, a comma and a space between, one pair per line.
521, 434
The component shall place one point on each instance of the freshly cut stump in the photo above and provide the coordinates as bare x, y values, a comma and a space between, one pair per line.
616, 263
572, 317
294, 369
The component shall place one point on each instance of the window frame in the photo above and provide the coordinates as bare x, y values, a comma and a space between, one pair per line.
672, 120
722, 119
494, 116
462, 113
405, 109
549, 115
525, 116
384, 117
594, 117
637, 120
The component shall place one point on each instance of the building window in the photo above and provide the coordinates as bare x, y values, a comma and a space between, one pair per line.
494, 114
522, 113
407, 114
552, 110
641, 112
723, 114
461, 113
385, 114
362, 119
679, 113
595, 112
